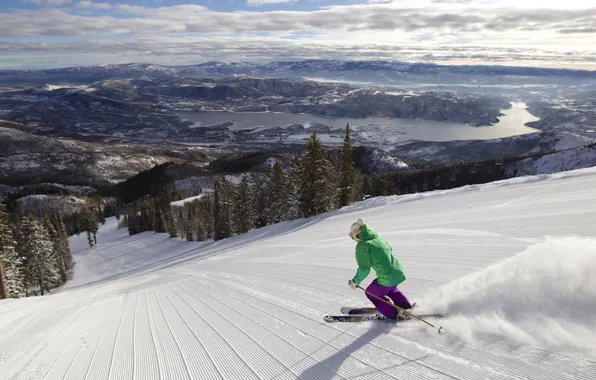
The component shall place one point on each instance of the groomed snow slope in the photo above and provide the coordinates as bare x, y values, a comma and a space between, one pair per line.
513, 263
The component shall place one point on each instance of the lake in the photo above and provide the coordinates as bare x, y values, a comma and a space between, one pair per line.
373, 128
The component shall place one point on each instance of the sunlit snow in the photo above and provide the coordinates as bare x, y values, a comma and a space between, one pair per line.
512, 263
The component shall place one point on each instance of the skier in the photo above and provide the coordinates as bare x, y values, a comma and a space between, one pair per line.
372, 251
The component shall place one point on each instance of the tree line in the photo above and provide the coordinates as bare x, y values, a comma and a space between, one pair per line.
315, 182
35, 255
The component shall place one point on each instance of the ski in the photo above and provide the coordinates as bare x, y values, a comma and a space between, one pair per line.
358, 310
356, 318
374, 317
363, 310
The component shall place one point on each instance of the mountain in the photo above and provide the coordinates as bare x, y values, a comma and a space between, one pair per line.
273, 107
478, 150
360, 71
148, 110
517, 287
575, 158
28, 158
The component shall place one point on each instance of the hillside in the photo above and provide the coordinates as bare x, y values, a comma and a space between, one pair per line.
478, 150
365, 70
27, 158
512, 263
575, 158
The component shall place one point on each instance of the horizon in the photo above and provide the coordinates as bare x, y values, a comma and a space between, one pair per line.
142, 63
43, 34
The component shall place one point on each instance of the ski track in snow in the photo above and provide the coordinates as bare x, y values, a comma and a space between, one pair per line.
513, 263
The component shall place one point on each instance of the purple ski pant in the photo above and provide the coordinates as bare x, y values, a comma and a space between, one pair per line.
387, 291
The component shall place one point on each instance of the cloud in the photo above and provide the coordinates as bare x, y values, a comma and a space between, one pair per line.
87, 4
198, 19
48, 2
179, 11
192, 50
258, 3
437, 30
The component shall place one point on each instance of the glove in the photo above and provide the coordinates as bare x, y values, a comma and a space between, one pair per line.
352, 284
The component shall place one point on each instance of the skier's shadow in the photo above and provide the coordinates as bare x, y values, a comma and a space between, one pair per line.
328, 368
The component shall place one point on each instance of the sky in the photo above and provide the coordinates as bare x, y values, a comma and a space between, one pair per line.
37, 34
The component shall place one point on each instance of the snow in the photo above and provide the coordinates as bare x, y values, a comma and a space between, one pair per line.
271, 161
545, 301
181, 202
513, 263
53, 87
41, 203
556, 162
571, 140
385, 162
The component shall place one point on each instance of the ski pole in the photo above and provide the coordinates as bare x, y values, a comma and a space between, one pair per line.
397, 307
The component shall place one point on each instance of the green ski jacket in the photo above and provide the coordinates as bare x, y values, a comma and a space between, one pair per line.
372, 251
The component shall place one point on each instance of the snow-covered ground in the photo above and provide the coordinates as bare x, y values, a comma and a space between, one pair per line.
182, 202
577, 158
513, 263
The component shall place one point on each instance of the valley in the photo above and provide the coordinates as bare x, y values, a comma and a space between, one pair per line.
98, 126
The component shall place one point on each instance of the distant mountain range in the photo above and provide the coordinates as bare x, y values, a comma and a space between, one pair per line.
31, 161
26, 158
128, 115
385, 72
145, 108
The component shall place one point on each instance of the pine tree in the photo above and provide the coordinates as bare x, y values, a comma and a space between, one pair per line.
3, 286
221, 218
145, 219
314, 186
200, 236
347, 175
100, 213
205, 207
190, 221
294, 187
189, 232
170, 223
159, 223
280, 191
133, 220
260, 198
179, 222
63, 246
12, 282
41, 264
242, 207
90, 225
57, 256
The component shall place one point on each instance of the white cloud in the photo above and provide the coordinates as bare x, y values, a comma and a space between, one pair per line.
87, 4
190, 50
548, 4
458, 31
257, 3
369, 18
185, 11
49, 2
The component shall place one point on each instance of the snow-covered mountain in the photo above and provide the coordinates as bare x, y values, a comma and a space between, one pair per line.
478, 150
512, 263
27, 158
152, 104
148, 109
575, 158
361, 71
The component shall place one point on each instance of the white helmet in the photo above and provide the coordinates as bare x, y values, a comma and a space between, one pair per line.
356, 228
